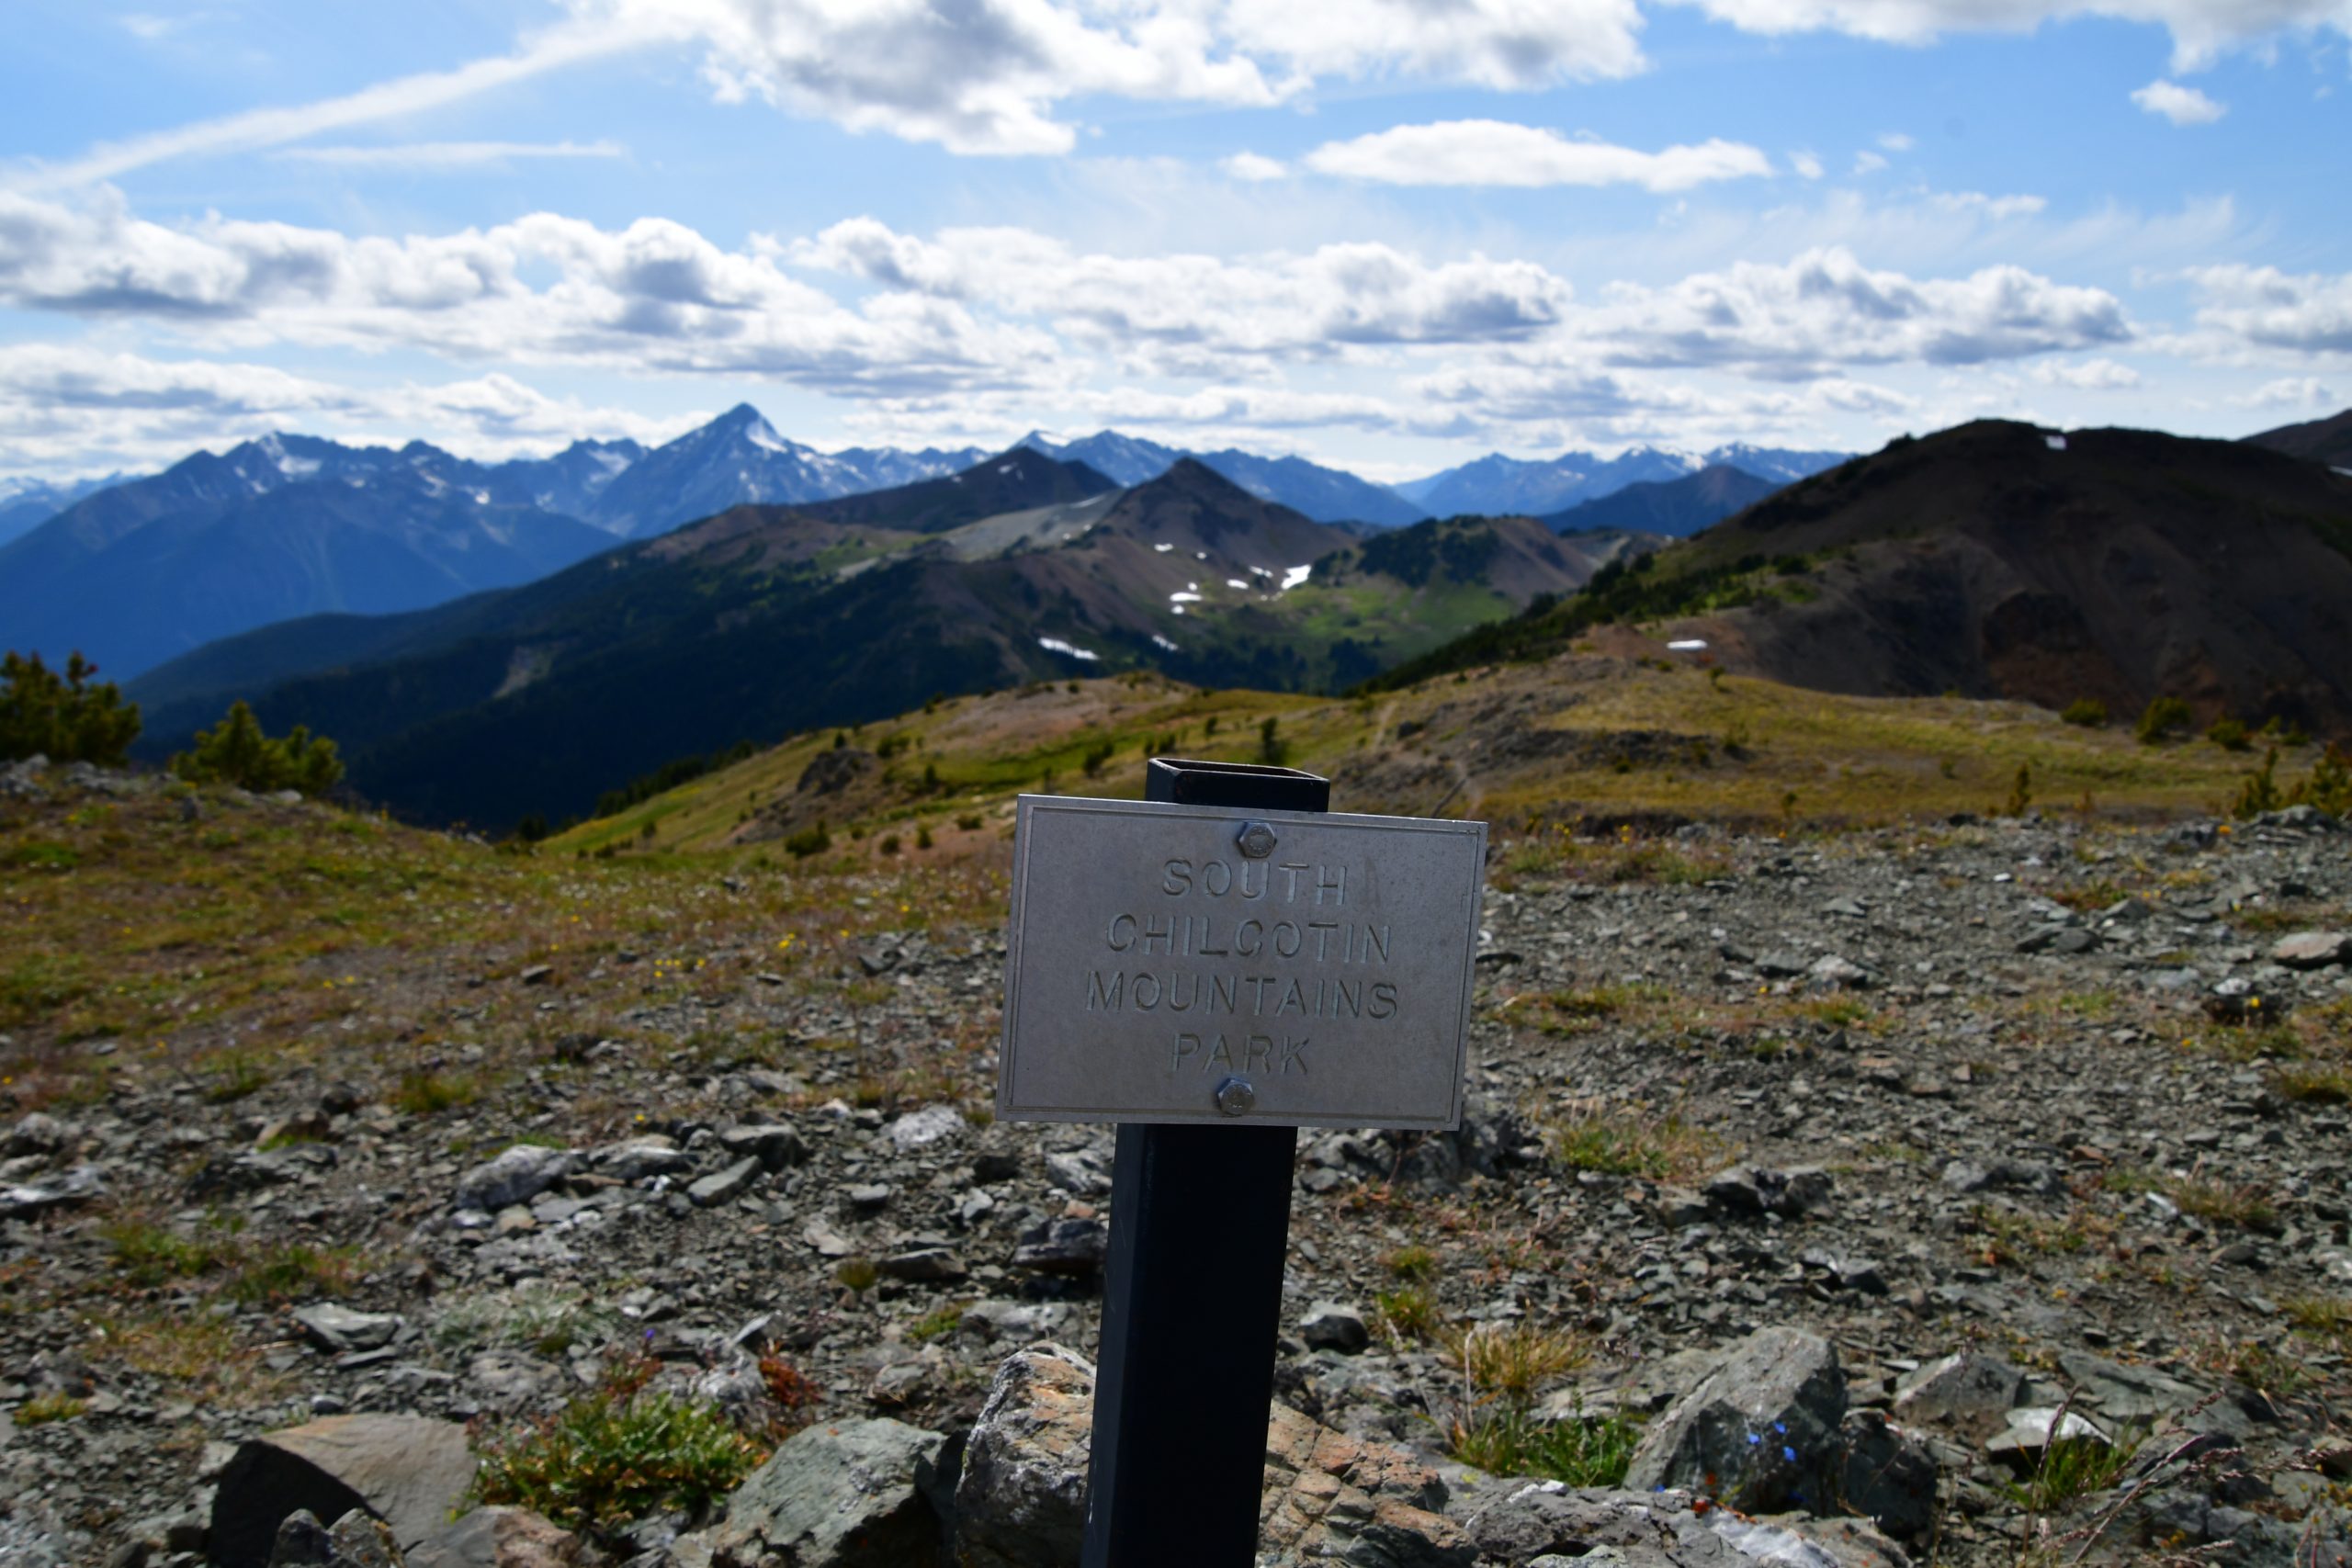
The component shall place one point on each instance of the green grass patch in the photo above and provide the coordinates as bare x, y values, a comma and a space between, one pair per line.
421, 1093
293, 1272
1414, 1264
610, 1459
2072, 1468
43, 1408
1632, 1141
1409, 1313
1581, 1451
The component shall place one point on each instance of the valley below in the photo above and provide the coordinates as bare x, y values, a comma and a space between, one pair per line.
1816, 1041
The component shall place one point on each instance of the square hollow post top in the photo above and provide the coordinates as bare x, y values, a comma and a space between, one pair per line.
1179, 781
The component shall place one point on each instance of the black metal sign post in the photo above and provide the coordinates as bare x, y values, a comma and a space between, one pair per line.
1213, 967
1191, 1301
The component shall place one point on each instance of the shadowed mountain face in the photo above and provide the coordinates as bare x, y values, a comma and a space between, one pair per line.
2326, 441
1998, 559
1326, 495
762, 621
1500, 486
1680, 507
142, 572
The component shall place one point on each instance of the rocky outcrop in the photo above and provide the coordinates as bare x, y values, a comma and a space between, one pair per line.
404, 1469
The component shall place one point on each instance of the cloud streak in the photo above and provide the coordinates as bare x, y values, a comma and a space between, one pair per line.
1495, 153
436, 155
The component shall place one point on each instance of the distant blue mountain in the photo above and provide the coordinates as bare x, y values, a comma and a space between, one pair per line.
25, 505
1326, 495
1498, 486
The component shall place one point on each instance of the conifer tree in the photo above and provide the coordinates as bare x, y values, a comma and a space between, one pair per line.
236, 751
63, 718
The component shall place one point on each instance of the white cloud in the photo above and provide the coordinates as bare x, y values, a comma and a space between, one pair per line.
2182, 106
1255, 166
1896, 142
2090, 375
990, 76
2200, 28
255, 128
2263, 307
72, 409
449, 154
1805, 164
1999, 209
1867, 162
1509, 44
654, 296
2291, 392
1494, 152
1191, 309
1825, 309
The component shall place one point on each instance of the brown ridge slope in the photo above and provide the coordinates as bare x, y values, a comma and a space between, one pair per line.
2321, 440
1987, 560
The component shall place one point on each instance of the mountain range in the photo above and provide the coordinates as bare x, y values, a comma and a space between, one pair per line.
26, 503
1998, 559
1498, 486
1679, 507
135, 572
764, 620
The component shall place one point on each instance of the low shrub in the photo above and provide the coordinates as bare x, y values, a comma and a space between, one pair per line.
610, 1458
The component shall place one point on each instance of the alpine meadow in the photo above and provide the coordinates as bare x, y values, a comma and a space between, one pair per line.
1178, 784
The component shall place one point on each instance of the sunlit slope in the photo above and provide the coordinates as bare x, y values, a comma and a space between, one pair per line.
1609, 740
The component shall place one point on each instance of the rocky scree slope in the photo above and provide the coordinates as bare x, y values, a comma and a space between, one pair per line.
2065, 1103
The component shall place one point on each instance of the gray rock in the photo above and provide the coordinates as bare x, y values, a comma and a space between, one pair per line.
359, 1540
1549, 1522
519, 1175
1970, 1394
2126, 1394
1021, 1501
498, 1538
76, 1187
2299, 818
774, 1146
724, 1187
39, 1134
639, 1158
2017, 1175
1084, 1173
405, 1469
1018, 1321
339, 1330
923, 1265
1063, 1246
1331, 1325
301, 1543
1886, 1476
2312, 950
2031, 1431
839, 1495
1762, 1423
1839, 973
1759, 1189
1679, 1206
920, 1129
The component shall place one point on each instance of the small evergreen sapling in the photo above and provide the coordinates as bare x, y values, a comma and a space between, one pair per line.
63, 718
235, 751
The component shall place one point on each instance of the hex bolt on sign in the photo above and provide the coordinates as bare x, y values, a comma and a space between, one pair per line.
1235, 1098
1257, 840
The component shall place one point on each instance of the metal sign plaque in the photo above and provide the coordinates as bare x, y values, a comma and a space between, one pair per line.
1200, 964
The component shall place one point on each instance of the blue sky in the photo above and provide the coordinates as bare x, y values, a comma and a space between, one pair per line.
1389, 235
